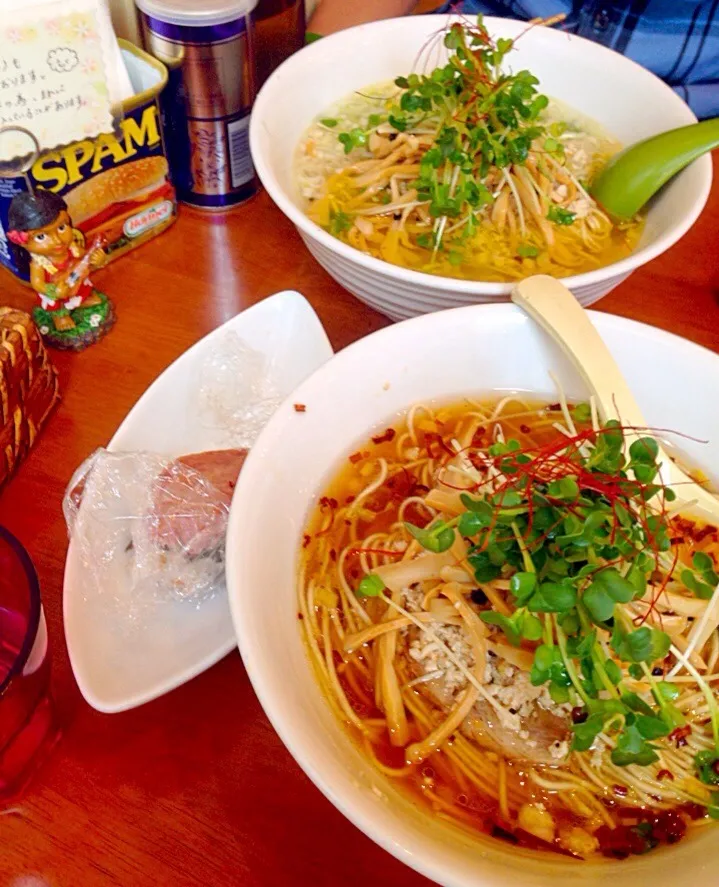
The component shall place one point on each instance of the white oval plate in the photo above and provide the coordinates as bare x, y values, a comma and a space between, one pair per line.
119, 669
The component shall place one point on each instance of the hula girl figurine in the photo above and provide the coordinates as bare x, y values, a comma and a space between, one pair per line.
72, 313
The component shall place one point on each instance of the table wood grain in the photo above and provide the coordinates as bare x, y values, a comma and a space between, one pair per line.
195, 788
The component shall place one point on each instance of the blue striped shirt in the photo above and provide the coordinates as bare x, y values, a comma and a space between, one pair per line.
676, 39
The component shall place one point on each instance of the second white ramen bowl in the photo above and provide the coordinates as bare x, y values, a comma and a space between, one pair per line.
624, 98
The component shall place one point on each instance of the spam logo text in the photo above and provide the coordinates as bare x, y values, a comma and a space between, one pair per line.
58, 170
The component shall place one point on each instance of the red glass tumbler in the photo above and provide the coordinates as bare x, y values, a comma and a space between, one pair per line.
28, 727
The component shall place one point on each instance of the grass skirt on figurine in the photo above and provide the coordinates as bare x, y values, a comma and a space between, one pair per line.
91, 323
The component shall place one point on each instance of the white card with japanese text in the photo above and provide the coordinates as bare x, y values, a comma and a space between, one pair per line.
58, 74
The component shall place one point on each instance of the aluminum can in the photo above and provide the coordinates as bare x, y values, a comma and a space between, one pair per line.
208, 48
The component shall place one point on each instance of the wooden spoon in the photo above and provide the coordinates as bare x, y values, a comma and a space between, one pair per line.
556, 310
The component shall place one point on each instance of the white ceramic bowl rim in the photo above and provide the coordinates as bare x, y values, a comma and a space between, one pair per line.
311, 56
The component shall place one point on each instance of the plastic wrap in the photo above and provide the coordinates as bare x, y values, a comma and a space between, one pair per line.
149, 529
238, 391
157, 522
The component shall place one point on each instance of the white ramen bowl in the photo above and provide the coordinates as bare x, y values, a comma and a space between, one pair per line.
627, 100
432, 358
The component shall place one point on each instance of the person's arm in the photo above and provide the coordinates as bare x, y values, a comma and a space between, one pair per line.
335, 15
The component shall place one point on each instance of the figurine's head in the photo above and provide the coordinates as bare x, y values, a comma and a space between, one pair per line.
40, 224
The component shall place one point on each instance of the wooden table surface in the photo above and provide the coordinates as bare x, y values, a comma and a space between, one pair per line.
196, 788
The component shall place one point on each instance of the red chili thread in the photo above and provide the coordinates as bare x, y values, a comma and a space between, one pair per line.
387, 551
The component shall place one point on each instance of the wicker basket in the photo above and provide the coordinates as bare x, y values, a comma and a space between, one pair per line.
28, 388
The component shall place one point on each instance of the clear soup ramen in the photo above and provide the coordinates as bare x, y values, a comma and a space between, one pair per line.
466, 172
501, 605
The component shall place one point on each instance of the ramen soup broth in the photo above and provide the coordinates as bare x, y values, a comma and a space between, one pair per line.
528, 788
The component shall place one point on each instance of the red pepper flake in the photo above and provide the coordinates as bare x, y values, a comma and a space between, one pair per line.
684, 525
688, 529
668, 827
355, 457
306, 539
300, 408
430, 440
477, 462
621, 791
349, 500
477, 437
417, 516
621, 842
300, 616
554, 406
385, 437
328, 502
700, 535
431, 437
525, 429
354, 573
665, 774
694, 811
333, 554
680, 735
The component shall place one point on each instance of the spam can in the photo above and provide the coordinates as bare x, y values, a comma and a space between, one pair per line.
116, 185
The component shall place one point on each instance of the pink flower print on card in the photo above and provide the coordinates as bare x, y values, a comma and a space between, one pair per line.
54, 26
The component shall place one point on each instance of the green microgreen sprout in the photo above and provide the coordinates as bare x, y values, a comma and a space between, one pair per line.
702, 580
707, 764
437, 537
355, 138
370, 586
485, 118
713, 805
339, 222
572, 530
560, 216
576, 542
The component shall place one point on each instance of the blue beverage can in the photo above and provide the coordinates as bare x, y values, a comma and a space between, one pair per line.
208, 48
